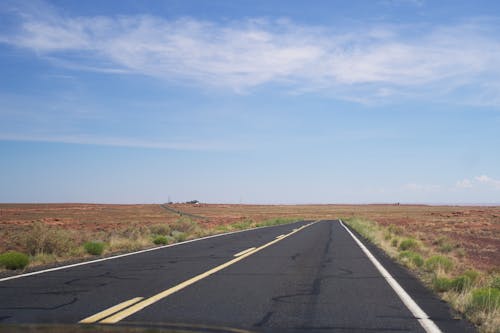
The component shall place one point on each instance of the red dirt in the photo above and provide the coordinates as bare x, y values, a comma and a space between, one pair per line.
475, 229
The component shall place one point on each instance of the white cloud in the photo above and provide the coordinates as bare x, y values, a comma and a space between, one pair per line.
483, 179
477, 181
375, 62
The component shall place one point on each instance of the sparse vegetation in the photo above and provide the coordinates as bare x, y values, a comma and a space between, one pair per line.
467, 236
160, 229
411, 258
14, 260
473, 293
408, 244
441, 284
437, 263
276, 221
485, 299
160, 240
43, 239
179, 236
94, 248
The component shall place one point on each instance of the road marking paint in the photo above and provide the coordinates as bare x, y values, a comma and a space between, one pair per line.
155, 298
126, 254
280, 236
110, 311
244, 251
424, 320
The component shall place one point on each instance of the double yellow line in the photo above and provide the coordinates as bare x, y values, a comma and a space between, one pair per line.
125, 309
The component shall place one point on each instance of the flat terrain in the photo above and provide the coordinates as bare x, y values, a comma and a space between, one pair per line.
302, 277
476, 230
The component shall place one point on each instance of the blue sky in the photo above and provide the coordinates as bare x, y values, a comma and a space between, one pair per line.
250, 101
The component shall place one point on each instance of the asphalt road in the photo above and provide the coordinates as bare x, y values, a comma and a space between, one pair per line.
301, 277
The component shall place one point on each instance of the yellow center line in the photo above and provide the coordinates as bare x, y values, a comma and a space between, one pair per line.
110, 311
155, 298
244, 251
280, 236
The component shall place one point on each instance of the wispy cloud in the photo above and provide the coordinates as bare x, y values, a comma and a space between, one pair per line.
476, 181
126, 142
375, 62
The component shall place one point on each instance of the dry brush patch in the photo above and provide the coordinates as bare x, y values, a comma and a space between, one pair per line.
470, 236
476, 294
51, 233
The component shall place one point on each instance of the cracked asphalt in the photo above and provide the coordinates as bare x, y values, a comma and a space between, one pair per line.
317, 279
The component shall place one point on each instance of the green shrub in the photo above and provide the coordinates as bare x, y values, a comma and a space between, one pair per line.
160, 229
412, 258
461, 283
94, 248
441, 284
394, 242
387, 236
437, 262
160, 240
14, 260
45, 239
179, 236
408, 244
485, 299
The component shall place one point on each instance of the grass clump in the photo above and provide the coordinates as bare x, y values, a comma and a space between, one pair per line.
160, 229
408, 244
464, 281
185, 225
394, 229
442, 284
14, 260
495, 281
179, 236
395, 242
485, 299
444, 245
94, 248
50, 240
411, 258
163, 240
437, 262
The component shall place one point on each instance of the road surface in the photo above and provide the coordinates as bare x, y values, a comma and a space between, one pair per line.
302, 277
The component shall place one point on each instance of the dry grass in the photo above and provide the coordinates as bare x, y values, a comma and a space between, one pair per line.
456, 281
469, 236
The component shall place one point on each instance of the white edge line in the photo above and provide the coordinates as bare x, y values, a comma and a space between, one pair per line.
128, 254
244, 251
424, 320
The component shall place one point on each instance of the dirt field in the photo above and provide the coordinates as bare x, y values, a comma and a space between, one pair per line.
474, 229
